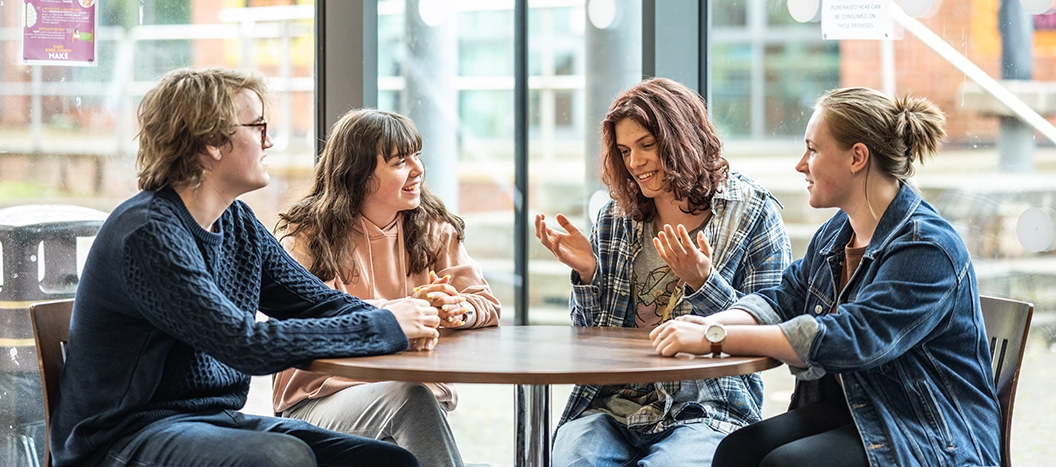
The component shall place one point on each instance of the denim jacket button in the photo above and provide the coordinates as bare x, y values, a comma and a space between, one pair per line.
817, 309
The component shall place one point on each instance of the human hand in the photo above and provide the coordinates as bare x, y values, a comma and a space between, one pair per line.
571, 248
695, 319
417, 318
453, 316
450, 305
423, 343
679, 335
691, 264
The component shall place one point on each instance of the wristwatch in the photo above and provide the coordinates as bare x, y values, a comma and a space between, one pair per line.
716, 334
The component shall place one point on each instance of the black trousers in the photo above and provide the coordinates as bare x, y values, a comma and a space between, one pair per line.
817, 434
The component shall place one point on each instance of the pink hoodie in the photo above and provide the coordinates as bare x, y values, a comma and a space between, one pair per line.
382, 262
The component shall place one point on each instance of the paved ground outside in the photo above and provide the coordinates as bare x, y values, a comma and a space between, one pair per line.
483, 422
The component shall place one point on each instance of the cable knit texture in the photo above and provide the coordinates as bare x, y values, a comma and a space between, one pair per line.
164, 322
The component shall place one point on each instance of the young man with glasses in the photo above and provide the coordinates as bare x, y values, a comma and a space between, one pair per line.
163, 338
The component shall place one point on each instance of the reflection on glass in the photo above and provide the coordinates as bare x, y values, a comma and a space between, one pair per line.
483, 120
997, 164
68, 134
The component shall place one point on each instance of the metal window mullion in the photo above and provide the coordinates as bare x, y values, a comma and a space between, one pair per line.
346, 60
520, 156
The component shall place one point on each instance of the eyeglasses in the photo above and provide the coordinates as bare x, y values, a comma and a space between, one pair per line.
263, 131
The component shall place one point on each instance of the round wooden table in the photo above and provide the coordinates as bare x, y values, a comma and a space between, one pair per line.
533, 358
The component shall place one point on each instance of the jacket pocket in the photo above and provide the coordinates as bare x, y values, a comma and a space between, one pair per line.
932, 414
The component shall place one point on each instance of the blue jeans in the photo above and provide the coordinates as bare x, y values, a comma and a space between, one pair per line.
597, 439
231, 438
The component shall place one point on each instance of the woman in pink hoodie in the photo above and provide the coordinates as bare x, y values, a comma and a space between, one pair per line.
369, 227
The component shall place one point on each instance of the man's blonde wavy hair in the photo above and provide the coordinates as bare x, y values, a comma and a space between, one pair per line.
185, 112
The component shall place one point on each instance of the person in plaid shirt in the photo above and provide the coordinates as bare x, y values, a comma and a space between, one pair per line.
682, 235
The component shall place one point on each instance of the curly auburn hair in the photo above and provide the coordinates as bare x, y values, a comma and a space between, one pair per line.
687, 144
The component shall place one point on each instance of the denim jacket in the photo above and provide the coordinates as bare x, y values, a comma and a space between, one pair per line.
750, 249
907, 336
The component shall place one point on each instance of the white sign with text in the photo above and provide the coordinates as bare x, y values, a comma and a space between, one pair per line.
855, 19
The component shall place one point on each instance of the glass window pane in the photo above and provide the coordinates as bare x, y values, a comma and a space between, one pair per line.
993, 170
796, 74
68, 134
731, 87
485, 42
563, 136
81, 120
730, 13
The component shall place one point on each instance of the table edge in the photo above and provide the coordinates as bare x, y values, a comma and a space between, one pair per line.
340, 366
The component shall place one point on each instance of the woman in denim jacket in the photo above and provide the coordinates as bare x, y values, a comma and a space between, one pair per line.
879, 321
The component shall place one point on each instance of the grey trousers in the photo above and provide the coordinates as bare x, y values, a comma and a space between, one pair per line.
406, 414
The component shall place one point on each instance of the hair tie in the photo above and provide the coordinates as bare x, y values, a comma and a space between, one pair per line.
906, 139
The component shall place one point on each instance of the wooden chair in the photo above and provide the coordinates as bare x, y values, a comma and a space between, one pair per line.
51, 330
1007, 324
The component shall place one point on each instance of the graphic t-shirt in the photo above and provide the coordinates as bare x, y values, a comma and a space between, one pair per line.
653, 283
654, 287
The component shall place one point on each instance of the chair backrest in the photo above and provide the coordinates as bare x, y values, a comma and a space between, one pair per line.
51, 330
1007, 324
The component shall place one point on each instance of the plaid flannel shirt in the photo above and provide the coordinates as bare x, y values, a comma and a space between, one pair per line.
750, 249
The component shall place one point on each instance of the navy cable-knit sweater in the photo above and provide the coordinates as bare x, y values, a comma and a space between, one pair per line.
164, 322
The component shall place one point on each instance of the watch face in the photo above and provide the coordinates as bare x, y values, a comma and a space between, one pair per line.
715, 333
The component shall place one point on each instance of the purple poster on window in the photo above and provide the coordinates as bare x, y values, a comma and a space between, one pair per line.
58, 32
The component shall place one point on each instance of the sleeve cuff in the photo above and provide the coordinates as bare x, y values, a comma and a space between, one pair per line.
801, 333
759, 308
584, 298
714, 296
470, 314
584, 294
389, 331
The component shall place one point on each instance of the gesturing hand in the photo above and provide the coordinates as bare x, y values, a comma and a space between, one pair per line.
691, 264
571, 248
418, 320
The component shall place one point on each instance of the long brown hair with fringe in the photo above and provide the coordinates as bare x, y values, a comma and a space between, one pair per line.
325, 218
